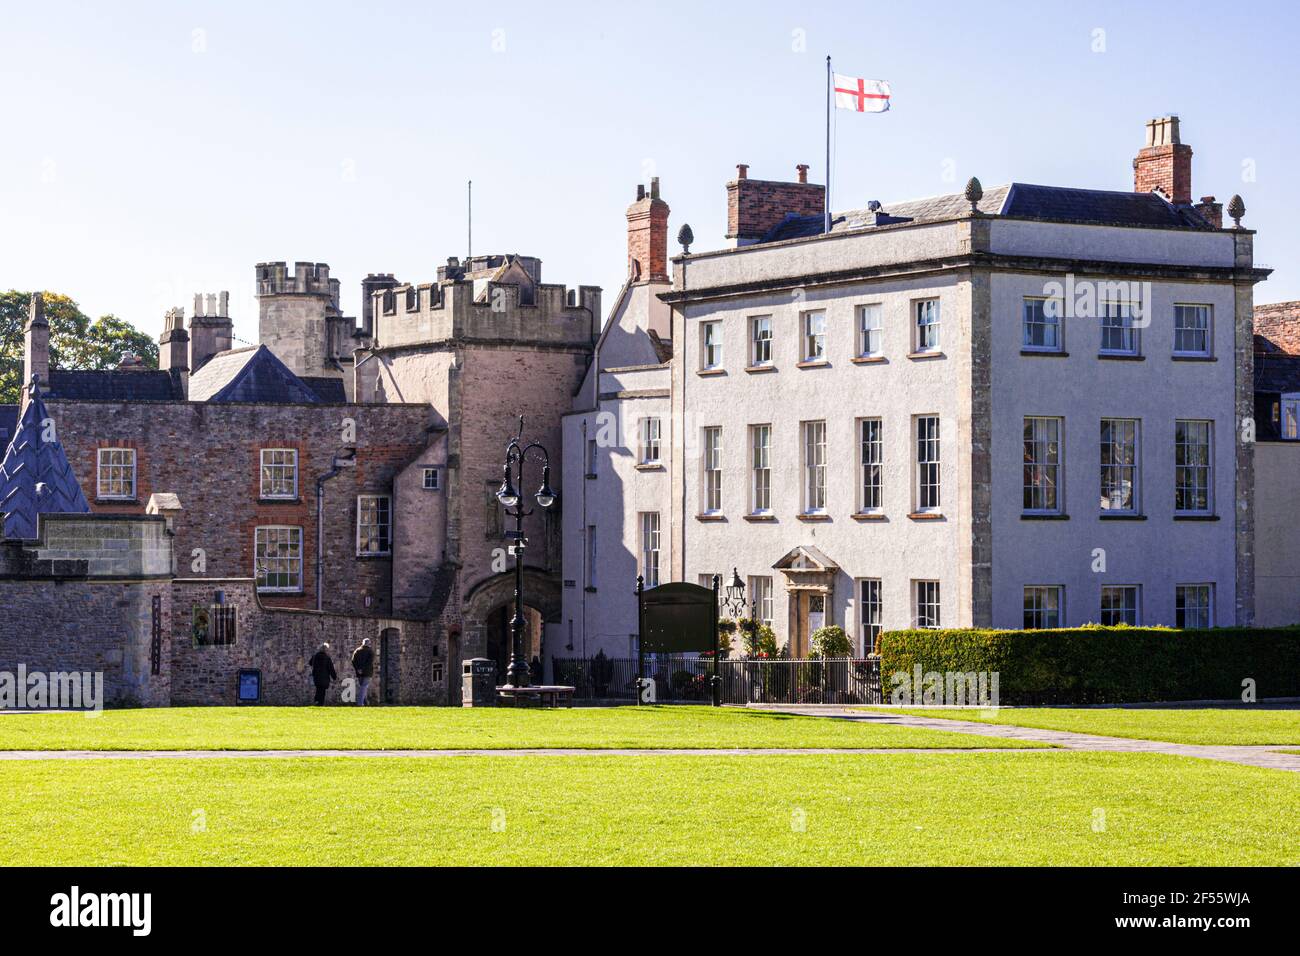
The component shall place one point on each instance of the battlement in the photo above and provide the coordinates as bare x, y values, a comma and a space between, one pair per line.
308, 278
409, 314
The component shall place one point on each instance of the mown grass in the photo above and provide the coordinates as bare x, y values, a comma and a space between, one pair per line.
444, 728
1228, 725
1029, 808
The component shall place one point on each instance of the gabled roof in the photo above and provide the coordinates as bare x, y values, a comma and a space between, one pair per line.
35, 477
8, 423
1017, 200
805, 557
249, 375
140, 385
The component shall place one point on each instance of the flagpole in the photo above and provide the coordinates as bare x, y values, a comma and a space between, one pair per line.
826, 194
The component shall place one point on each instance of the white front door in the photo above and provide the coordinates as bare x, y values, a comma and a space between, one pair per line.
816, 613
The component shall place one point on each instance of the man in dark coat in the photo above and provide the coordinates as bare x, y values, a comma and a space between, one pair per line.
322, 672
363, 662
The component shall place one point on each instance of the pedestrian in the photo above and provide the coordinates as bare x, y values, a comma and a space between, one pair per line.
322, 672
363, 662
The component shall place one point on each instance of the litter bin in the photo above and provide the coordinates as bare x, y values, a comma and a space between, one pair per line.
479, 683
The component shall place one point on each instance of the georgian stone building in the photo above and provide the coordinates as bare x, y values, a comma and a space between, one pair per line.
1018, 407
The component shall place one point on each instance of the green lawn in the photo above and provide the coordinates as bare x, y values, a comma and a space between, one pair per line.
445, 728
1180, 725
1031, 808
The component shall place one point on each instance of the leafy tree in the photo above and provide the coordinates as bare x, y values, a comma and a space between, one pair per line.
831, 641
75, 341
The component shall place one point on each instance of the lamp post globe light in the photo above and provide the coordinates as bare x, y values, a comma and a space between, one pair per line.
512, 502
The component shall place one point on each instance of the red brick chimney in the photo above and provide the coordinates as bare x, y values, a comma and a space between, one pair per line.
1165, 163
647, 236
756, 205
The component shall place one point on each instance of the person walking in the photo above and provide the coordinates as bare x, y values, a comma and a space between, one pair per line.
322, 672
363, 662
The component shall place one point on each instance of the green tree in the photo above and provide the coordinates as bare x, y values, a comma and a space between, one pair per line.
831, 641
75, 341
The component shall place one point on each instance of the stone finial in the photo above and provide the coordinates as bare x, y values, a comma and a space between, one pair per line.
685, 236
1236, 209
36, 310
974, 193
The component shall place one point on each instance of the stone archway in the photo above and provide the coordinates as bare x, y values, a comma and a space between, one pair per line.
481, 616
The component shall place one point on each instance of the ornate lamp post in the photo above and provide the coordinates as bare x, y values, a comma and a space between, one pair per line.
516, 453
735, 602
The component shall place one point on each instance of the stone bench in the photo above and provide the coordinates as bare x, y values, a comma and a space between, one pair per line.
544, 695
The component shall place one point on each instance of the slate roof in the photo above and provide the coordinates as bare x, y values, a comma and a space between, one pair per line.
35, 477
1277, 372
250, 375
328, 390
142, 385
1020, 200
8, 423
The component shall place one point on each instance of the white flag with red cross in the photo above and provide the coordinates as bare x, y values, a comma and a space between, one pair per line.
862, 96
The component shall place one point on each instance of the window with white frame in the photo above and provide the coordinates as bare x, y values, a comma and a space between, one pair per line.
760, 598
279, 473
927, 463
1193, 467
760, 480
712, 486
870, 330
871, 458
650, 548
1119, 465
277, 556
650, 445
374, 525
1120, 605
926, 313
760, 340
431, 482
1042, 324
711, 345
1042, 467
814, 336
926, 599
871, 613
814, 466
1043, 606
1119, 332
115, 478
1194, 606
1289, 416
1192, 329
591, 557
705, 580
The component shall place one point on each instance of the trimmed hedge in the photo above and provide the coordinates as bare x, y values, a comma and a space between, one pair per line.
1105, 665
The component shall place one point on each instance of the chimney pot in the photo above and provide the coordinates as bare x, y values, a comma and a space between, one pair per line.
654, 187
802, 169
640, 192
742, 171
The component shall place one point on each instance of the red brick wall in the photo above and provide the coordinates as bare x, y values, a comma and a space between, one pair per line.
647, 240
1169, 167
208, 455
755, 205
1279, 322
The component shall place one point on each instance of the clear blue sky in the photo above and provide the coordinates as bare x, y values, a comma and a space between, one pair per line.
145, 161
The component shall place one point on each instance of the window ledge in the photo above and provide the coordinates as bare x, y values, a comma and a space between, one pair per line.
813, 363
590, 590
925, 355
1194, 358
760, 517
1044, 353
385, 556
706, 372
813, 516
279, 501
869, 360
869, 516
110, 500
753, 369
1121, 517
710, 517
650, 466
1034, 516
926, 515
1196, 517
1120, 357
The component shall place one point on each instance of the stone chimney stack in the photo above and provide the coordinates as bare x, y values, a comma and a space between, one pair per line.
756, 205
211, 329
647, 236
36, 346
1165, 162
174, 349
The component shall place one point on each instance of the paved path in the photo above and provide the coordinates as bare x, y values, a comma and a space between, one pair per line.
1254, 756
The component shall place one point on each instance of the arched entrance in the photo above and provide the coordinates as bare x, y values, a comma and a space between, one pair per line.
490, 607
